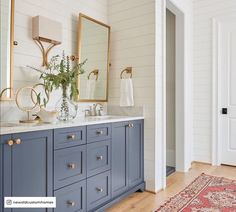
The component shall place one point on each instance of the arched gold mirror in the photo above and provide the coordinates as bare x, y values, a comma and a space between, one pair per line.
7, 44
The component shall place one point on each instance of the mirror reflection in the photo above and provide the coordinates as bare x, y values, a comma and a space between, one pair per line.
6, 36
93, 46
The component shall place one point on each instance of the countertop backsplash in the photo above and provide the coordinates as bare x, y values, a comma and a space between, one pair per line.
9, 112
125, 111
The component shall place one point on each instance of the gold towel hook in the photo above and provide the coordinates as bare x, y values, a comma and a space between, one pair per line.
128, 70
95, 73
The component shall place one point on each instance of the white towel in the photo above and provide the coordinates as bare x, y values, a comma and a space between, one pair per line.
91, 85
126, 93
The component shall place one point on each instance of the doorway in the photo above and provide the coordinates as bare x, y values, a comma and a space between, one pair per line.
170, 93
183, 91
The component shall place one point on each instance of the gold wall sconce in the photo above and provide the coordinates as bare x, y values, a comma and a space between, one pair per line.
95, 73
48, 31
128, 70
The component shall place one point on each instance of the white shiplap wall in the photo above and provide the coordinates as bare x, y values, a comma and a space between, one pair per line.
133, 44
28, 53
204, 11
138, 41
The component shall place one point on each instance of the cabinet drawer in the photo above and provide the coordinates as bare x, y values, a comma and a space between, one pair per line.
98, 190
69, 166
98, 132
69, 137
71, 198
98, 157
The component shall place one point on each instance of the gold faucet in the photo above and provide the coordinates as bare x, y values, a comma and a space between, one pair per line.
98, 112
93, 111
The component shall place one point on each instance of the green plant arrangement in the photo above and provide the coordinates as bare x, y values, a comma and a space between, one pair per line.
62, 73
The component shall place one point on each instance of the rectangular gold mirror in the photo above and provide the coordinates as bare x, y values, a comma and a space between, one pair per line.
93, 45
7, 43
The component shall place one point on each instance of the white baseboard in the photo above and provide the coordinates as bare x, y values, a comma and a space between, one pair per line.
170, 157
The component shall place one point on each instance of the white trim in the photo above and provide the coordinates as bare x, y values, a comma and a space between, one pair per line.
183, 153
164, 95
181, 88
160, 120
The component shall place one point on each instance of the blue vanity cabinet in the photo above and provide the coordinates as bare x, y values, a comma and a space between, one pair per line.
27, 166
127, 156
87, 168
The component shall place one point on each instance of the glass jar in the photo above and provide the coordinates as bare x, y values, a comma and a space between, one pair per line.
66, 108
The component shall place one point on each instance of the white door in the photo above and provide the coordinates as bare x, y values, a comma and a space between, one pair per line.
227, 79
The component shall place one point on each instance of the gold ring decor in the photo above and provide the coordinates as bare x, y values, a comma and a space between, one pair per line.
26, 109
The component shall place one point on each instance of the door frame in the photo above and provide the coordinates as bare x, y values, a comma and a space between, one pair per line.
183, 95
180, 111
216, 90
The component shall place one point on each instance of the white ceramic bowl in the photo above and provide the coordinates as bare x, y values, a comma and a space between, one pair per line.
47, 116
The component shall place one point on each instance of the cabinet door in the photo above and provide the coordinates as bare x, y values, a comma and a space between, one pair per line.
27, 167
119, 158
3, 140
135, 153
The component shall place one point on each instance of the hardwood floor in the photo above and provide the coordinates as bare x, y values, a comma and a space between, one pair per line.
147, 202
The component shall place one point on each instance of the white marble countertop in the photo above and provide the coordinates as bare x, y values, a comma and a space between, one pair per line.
14, 127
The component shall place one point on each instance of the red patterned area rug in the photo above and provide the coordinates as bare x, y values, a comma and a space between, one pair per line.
205, 194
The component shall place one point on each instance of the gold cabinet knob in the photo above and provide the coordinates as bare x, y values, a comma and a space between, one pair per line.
99, 189
99, 157
72, 137
130, 125
71, 203
10, 142
71, 165
18, 141
100, 132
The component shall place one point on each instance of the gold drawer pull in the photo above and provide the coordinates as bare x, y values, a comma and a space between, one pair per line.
131, 125
71, 165
72, 137
10, 142
71, 203
99, 157
99, 189
18, 141
100, 132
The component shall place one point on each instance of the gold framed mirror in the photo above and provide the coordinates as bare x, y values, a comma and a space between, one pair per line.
7, 45
93, 46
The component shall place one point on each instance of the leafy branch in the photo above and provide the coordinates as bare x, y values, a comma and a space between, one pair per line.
61, 73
